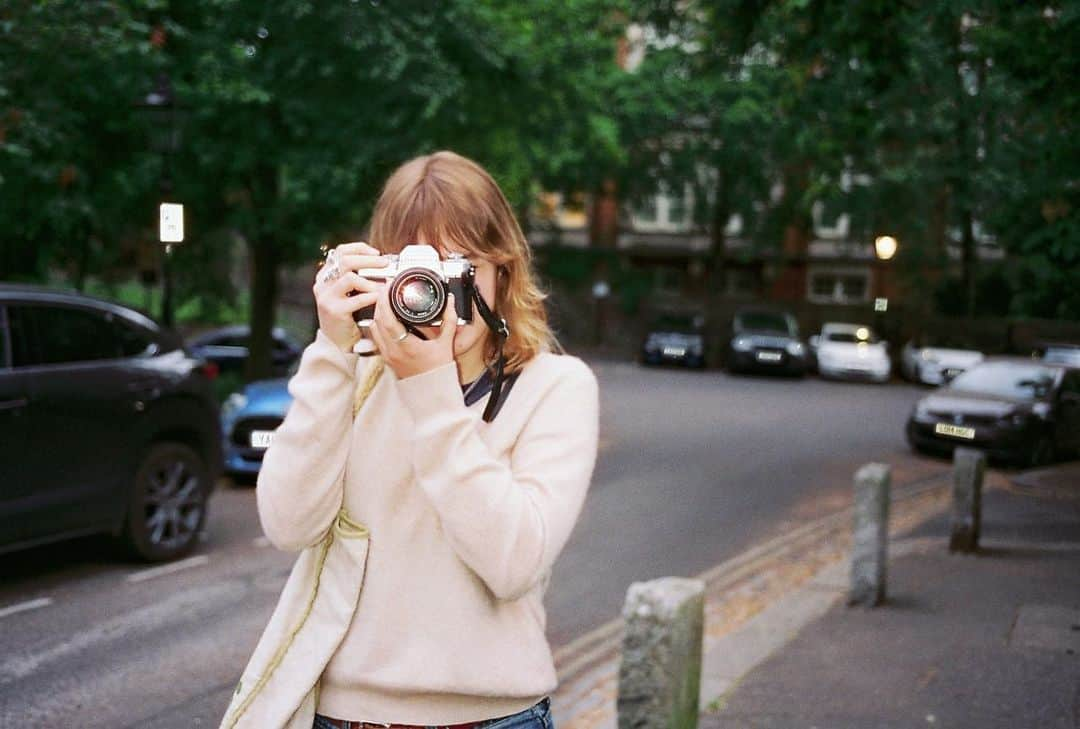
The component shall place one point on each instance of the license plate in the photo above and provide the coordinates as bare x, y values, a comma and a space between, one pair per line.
768, 356
261, 438
954, 431
674, 351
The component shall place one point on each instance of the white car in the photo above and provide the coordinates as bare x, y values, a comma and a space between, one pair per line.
851, 351
936, 365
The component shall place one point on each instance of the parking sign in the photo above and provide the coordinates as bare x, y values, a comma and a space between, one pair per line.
172, 223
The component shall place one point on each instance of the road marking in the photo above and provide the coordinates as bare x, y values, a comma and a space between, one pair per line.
24, 606
261, 542
168, 569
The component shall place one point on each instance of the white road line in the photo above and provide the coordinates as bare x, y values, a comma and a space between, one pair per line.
261, 542
167, 569
24, 606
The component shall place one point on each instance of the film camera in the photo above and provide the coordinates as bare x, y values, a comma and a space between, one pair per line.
419, 284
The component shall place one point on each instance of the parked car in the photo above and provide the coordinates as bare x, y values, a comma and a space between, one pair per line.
1015, 409
766, 341
675, 338
1059, 352
106, 425
851, 351
249, 418
925, 360
227, 347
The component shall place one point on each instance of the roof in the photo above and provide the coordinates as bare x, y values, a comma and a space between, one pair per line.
34, 292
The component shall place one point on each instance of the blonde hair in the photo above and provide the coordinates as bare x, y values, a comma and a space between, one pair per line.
446, 197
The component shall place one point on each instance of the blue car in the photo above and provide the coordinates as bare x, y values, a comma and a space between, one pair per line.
248, 420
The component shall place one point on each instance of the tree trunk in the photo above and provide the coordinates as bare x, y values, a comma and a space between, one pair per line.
721, 211
264, 294
604, 217
969, 259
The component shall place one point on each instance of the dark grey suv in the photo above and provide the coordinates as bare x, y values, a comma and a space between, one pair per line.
106, 425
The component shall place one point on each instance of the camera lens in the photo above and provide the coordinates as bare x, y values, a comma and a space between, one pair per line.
417, 297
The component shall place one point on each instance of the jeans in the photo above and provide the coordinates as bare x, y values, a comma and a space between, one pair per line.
537, 716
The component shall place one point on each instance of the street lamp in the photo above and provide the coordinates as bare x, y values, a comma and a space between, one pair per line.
160, 108
885, 247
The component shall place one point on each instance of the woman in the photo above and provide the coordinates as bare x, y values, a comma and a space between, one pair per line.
466, 514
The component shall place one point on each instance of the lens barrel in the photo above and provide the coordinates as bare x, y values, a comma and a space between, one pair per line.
417, 296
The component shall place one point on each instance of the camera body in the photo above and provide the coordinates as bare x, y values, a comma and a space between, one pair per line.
419, 284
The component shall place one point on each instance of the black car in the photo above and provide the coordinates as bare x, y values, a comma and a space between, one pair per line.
227, 347
1016, 410
675, 339
766, 341
106, 425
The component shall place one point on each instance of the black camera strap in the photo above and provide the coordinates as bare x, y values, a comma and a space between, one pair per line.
501, 331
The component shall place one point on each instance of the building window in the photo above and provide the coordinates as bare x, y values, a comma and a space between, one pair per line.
676, 210
839, 287
646, 211
742, 281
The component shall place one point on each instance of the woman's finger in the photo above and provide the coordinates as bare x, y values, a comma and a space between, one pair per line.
351, 281
355, 262
358, 302
357, 247
449, 320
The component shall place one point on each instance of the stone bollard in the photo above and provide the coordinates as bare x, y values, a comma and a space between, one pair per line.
870, 545
969, 465
660, 671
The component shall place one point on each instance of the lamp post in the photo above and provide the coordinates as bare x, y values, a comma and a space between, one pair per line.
884, 249
160, 107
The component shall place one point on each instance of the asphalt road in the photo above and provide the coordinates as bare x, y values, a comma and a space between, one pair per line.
694, 468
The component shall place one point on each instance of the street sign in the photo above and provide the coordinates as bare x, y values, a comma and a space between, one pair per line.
172, 223
881, 304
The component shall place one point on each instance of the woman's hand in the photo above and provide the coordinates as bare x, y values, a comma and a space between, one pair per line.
405, 353
335, 300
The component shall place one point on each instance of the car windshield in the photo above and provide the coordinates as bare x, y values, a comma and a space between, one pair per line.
764, 321
1006, 379
863, 334
1063, 355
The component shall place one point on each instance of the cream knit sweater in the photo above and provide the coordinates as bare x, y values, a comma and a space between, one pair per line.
466, 519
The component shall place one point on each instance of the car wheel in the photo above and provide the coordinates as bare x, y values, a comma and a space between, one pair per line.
167, 508
1042, 453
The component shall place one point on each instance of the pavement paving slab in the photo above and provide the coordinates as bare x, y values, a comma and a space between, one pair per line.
986, 640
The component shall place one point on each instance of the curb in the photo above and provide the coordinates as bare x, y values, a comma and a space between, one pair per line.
588, 666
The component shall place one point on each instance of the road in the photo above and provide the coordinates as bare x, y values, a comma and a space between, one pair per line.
694, 468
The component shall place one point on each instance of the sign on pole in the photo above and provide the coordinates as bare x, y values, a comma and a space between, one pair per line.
172, 223
881, 304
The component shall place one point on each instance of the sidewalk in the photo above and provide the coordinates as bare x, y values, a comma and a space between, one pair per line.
987, 640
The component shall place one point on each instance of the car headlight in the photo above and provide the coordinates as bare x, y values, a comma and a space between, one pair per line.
742, 344
233, 403
796, 349
928, 357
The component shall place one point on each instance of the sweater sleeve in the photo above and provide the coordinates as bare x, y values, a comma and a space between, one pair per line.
300, 483
507, 522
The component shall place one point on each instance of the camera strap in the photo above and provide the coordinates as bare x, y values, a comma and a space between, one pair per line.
501, 331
